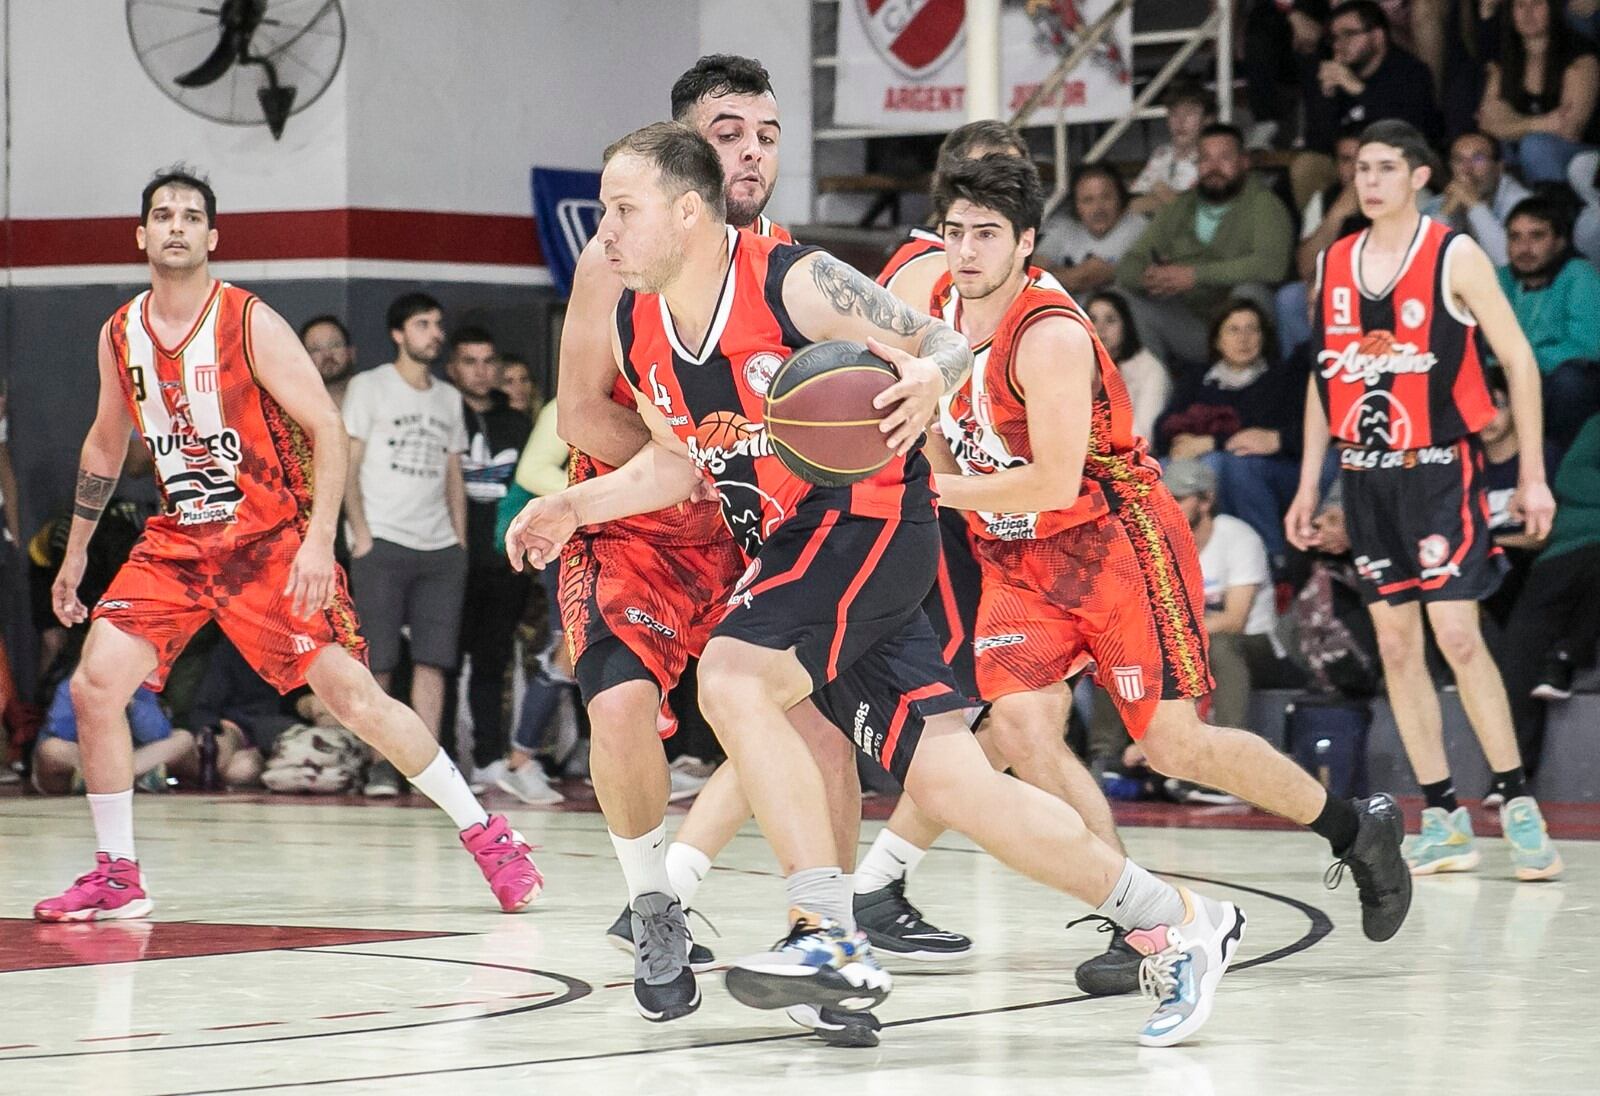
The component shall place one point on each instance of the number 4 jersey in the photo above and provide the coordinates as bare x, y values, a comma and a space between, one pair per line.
232, 466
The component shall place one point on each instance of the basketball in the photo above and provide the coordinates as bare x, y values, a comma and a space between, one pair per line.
820, 415
723, 430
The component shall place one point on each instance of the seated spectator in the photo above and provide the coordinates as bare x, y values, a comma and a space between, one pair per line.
1367, 79
1556, 297
1240, 617
1539, 96
1502, 465
1329, 214
1174, 167
56, 759
1556, 620
1583, 175
240, 715
1229, 236
516, 383
328, 342
1088, 243
1244, 418
1480, 196
1149, 383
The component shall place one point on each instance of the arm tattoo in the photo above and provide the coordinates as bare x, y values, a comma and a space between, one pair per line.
854, 294
93, 494
950, 351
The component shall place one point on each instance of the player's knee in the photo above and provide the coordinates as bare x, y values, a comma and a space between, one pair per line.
727, 694
1399, 647
1169, 741
624, 712
1459, 643
357, 705
94, 684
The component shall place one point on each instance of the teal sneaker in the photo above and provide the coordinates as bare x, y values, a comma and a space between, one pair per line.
154, 781
1445, 843
1533, 854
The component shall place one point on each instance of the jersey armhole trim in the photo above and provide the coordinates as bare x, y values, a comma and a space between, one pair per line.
244, 337
1031, 317
1446, 294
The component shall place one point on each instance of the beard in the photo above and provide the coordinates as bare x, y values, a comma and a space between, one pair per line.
742, 212
655, 276
1216, 194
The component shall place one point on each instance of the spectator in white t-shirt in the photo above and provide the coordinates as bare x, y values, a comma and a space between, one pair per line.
1174, 167
406, 505
1145, 375
1088, 242
1240, 615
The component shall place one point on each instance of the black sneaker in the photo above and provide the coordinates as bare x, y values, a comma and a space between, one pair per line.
836, 1027
1555, 679
897, 928
663, 985
620, 934
1382, 877
1114, 971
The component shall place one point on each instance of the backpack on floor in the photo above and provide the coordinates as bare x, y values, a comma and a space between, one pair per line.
315, 760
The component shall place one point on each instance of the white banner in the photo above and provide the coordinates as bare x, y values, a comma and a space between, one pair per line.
903, 66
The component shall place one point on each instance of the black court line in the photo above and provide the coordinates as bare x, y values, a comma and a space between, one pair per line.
576, 989
1321, 925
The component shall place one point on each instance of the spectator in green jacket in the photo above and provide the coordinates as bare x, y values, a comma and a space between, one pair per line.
1228, 237
1556, 296
1556, 620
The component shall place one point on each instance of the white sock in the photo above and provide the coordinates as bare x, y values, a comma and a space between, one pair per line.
1138, 900
891, 857
821, 892
113, 823
644, 863
441, 782
686, 868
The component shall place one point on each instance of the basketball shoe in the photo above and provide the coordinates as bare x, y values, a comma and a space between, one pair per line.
1382, 877
817, 964
506, 861
836, 1027
663, 983
1533, 854
115, 889
1445, 843
620, 934
1114, 971
896, 927
1183, 966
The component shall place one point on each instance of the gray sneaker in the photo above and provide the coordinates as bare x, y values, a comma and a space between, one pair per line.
383, 781
1183, 965
528, 784
664, 987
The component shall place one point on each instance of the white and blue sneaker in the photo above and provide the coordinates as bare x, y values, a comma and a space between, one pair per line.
1183, 966
817, 964
1533, 854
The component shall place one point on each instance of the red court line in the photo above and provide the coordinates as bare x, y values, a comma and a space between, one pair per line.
527, 996
119, 1038
237, 1027
21, 1046
453, 1004
349, 1015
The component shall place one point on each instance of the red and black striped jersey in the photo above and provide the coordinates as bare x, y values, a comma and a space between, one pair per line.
1401, 368
985, 421
713, 397
920, 242
232, 466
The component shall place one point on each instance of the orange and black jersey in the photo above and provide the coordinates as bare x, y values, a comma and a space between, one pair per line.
921, 241
713, 399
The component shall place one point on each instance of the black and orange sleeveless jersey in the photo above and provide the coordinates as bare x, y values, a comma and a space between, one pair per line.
713, 399
688, 522
232, 466
1403, 368
985, 421
921, 241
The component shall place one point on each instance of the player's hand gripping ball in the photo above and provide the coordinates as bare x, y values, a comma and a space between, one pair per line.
820, 416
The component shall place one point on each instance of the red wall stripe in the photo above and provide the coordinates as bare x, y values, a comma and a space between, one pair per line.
412, 235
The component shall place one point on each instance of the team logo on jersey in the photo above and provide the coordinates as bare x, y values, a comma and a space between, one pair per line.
644, 619
303, 645
759, 369
749, 513
1432, 551
1413, 312
198, 449
867, 740
724, 435
914, 36
1129, 681
1366, 362
989, 643
1377, 418
740, 594
205, 379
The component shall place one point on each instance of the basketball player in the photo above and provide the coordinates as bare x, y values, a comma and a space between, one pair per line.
1085, 555
638, 597
240, 428
1402, 309
830, 605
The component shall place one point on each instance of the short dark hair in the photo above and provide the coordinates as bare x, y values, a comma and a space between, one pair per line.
1224, 129
1234, 306
1495, 152
1006, 184
1350, 131
989, 133
719, 74
1368, 11
327, 317
1543, 208
1100, 171
1190, 91
1494, 379
685, 160
407, 305
1405, 137
182, 175
1131, 343
470, 333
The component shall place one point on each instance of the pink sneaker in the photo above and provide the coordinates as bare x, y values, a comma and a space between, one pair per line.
505, 860
114, 889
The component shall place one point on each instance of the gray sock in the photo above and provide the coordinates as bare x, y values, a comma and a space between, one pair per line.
1141, 901
823, 892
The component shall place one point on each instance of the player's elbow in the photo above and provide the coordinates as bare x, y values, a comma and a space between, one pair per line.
1055, 491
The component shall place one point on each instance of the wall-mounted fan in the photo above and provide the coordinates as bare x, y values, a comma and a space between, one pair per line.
239, 62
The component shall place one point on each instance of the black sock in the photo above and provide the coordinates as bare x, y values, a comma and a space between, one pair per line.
1442, 794
1510, 783
1338, 824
